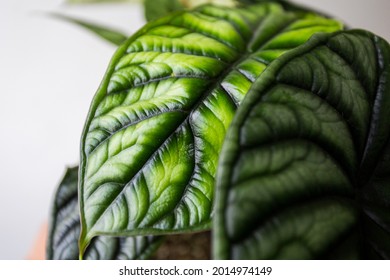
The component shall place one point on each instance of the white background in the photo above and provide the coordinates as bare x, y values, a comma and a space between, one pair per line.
281, 270
49, 71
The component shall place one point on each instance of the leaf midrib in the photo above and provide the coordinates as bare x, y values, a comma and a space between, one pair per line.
201, 100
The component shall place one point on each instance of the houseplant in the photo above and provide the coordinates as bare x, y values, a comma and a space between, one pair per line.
312, 126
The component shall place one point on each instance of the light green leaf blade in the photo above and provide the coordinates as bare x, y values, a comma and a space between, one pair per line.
156, 126
113, 36
65, 230
304, 172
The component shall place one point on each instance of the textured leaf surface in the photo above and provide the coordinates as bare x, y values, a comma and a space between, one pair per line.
152, 139
106, 33
305, 169
65, 231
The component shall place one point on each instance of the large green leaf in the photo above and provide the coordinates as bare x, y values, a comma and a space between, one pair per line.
155, 128
65, 230
305, 169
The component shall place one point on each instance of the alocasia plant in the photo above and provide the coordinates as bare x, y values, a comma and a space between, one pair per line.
152, 141
152, 138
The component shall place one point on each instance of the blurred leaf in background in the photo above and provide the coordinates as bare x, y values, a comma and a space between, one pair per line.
156, 9
109, 34
153, 10
98, 1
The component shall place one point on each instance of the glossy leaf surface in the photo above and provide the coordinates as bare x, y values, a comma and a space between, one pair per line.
152, 139
65, 230
305, 169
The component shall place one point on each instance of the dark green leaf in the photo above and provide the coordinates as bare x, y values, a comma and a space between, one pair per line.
65, 230
288, 5
305, 169
111, 35
153, 135
156, 9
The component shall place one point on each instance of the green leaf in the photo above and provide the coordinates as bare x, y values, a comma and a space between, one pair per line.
288, 5
111, 35
156, 9
304, 172
65, 230
152, 138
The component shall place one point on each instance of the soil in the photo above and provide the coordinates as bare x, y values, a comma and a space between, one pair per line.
192, 246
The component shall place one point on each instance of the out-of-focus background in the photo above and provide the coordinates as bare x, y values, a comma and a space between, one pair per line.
49, 71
